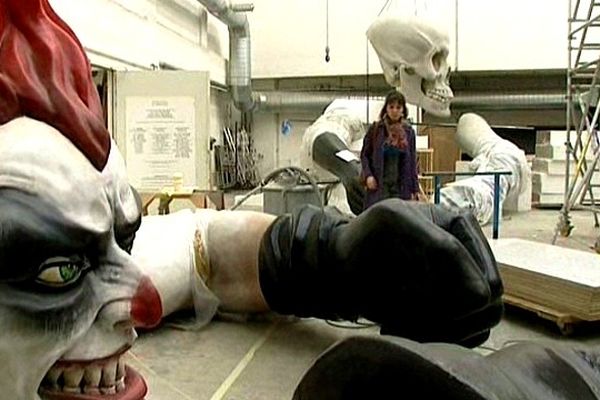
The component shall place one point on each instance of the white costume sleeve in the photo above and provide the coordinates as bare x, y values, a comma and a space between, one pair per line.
164, 248
347, 119
490, 153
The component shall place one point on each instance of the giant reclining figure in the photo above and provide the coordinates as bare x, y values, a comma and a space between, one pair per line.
80, 268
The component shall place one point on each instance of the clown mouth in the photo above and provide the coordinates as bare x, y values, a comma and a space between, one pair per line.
104, 379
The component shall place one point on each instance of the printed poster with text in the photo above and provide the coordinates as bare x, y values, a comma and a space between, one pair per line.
160, 141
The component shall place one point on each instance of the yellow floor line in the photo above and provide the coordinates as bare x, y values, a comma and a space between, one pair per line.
239, 368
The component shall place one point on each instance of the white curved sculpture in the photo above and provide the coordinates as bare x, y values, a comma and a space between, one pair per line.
490, 153
346, 119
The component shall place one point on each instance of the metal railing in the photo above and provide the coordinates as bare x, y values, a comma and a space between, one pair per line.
437, 185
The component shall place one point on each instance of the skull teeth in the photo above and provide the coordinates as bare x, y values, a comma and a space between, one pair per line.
438, 95
104, 378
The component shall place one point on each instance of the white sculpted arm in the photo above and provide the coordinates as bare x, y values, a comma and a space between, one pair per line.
327, 150
233, 241
490, 153
207, 260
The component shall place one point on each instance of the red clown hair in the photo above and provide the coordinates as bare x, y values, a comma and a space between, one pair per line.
46, 75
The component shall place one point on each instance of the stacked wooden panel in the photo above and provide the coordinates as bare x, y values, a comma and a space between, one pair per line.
553, 277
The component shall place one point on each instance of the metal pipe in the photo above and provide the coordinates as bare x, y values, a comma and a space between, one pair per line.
242, 7
275, 101
222, 10
245, 100
510, 101
239, 49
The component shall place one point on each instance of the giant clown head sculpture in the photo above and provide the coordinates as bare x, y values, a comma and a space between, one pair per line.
70, 294
414, 57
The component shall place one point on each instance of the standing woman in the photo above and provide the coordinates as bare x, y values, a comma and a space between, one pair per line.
388, 155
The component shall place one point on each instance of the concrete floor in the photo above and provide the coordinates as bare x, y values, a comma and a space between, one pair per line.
252, 360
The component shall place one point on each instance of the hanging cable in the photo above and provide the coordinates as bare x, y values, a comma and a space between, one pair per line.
367, 88
367, 83
327, 58
385, 5
425, 9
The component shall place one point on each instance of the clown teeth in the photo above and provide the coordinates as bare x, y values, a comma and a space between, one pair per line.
72, 378
92, 377
120, 384
96, 378
52, 377
108, 390
93, 391
72, 390
120, 369
109, 372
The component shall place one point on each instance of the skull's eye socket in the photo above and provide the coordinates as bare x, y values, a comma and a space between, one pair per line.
59, 272
438, 59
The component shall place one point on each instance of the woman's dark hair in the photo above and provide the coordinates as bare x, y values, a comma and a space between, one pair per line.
394, 97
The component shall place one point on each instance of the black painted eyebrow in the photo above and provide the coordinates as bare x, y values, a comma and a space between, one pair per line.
125, 230
32, 231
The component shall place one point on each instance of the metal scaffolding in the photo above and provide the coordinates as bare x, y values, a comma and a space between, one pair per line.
583, 100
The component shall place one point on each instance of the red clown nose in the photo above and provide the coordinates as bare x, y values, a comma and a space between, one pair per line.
146, 306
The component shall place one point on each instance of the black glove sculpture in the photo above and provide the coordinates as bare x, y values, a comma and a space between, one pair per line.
324, 150
420, 271
387, 367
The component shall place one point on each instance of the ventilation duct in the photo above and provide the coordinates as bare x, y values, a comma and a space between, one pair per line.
239, 49
240, 83
509, 102
277, 101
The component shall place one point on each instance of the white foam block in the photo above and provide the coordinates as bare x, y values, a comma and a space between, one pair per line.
576, 266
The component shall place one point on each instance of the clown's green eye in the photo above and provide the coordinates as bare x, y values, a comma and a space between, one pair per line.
60, 271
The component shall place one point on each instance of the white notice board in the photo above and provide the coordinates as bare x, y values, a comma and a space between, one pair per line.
161, 127
160, 135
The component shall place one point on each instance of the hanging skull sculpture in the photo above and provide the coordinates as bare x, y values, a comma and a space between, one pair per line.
414, 58
70, 294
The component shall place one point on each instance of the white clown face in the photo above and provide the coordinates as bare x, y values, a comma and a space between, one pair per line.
70, 294
414, 58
